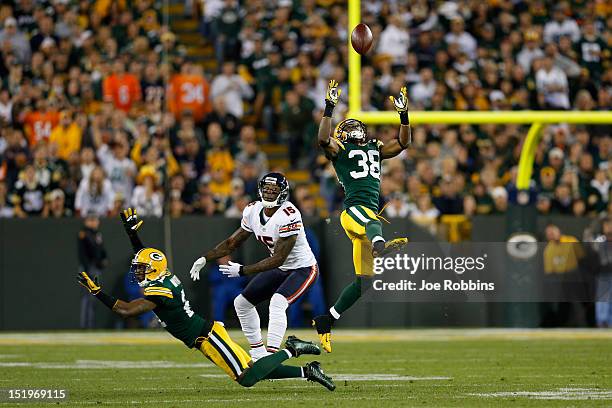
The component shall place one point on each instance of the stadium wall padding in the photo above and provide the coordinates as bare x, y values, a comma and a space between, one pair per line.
38, 266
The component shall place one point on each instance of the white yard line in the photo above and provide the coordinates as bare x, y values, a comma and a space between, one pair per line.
566, 394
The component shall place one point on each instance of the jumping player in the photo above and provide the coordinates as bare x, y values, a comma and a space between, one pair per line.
283, 277
356, 159
165, 296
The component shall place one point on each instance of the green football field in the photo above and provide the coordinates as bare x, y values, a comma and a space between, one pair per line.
382, 368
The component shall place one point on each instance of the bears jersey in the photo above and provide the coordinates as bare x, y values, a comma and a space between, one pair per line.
358, 170
285, 222
173, 309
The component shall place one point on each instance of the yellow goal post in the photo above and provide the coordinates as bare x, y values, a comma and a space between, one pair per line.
536, 118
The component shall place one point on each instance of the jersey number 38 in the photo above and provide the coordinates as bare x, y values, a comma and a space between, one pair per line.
369, 163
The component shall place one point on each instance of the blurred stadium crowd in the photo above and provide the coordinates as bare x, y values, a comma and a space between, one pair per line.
101, 105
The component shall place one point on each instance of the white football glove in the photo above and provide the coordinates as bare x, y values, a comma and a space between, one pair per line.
231, 270
195, 269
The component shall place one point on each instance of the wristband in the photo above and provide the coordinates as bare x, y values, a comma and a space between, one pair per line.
329, 109
108, 300
241, 270
404, 118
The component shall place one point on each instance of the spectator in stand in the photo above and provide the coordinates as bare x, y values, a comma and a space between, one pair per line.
28, 197
95, 194
115, 162
531, 50
16, 40
394, 40
232, 88
295, 117
67, 135
552, 86
397, 206
424, 213
461, 38
147, 200
561, 25
252, 154
121, 88
189, 91
56, 207
38, 124
423, 91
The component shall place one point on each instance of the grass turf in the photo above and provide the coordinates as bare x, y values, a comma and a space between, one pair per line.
372, 368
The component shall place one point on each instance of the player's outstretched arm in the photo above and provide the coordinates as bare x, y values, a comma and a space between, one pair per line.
282, 249
395, 147
124, 309
222, 249
134, 308
328, 144
131, 224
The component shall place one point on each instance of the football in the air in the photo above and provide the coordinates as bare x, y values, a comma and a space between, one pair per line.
361, 38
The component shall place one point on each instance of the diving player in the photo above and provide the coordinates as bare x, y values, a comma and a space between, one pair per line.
165, 296
356, 159
283, 277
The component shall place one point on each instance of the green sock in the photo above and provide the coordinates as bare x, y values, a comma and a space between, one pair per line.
262, 367
373, 230
285, 371
349, 296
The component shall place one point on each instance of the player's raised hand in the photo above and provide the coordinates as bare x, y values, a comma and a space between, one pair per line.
231, 270
91, 285
196, 268
130, 219
401, 102
333, 92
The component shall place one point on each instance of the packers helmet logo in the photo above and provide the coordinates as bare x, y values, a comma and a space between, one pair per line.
156, 256
522, 246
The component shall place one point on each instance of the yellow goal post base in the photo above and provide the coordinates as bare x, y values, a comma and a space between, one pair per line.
537, 119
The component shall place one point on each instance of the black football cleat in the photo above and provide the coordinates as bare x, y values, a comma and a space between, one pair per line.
298, 347
323, 325
314, 373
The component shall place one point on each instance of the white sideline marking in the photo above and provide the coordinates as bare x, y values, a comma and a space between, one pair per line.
567, 394
105, 364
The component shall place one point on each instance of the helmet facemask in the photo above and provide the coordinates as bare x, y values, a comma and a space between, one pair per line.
273, 190
139, 272
352, 131
148, 265
269, 195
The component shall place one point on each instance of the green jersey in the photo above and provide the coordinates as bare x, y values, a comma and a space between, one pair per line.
173, 309
358, 170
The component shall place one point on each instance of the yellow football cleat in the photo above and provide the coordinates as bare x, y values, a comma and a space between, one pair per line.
323, 325
390, 246
325, 339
